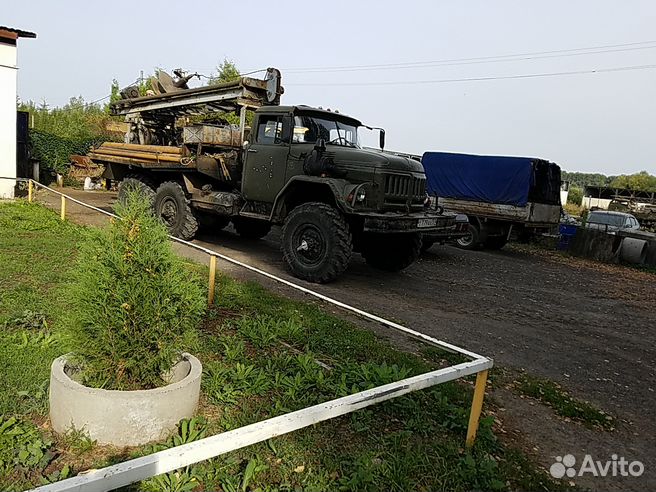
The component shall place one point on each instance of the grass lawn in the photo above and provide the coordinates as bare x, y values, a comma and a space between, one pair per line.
259, 353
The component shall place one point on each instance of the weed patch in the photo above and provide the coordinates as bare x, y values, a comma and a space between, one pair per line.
563, 403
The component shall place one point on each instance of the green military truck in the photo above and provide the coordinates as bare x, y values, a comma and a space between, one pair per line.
295, 166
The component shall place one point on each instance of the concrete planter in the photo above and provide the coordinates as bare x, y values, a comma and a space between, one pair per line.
124, 418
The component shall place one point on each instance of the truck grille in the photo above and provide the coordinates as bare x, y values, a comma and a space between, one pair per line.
399, 188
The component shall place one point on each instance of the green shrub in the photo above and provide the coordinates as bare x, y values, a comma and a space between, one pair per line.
54, 151
136, 305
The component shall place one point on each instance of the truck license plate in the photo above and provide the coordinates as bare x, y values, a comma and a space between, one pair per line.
426, 222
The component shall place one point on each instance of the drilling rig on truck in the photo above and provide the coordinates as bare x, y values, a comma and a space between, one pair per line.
298, 167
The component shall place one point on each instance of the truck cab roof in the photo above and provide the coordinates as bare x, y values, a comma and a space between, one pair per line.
301, 108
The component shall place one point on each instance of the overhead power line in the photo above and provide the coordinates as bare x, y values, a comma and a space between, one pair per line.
477, 79
611, 48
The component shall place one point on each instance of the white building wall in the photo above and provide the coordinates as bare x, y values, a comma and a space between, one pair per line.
589, 202
7, 119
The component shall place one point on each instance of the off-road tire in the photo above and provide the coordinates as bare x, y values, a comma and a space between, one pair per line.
471, 241
324, 233
136, 182
391, 252
172, 207
251, 228
495, 242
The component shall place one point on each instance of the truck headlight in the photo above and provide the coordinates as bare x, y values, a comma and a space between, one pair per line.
360, 196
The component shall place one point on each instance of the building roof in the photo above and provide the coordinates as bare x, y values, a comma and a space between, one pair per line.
13, 33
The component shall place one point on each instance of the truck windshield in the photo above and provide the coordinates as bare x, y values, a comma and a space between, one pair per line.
309, 129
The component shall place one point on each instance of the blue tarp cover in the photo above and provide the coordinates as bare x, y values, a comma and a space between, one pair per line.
479, 178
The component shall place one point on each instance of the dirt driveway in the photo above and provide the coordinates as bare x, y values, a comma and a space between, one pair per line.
588, 326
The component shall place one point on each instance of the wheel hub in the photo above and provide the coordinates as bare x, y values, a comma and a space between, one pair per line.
169, 211
311, 247
466, 240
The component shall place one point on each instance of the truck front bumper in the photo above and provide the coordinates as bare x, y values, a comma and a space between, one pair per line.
424, 222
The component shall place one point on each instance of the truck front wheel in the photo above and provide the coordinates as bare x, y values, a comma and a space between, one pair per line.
391, 252
471, 240
172, 207
316, 242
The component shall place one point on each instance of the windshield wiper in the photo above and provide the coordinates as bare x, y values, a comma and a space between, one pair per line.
341, 138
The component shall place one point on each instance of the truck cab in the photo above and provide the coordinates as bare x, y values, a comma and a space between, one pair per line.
301, 162
293, 144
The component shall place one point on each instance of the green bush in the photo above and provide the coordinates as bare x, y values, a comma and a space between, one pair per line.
71, 129
53, 151
136, 306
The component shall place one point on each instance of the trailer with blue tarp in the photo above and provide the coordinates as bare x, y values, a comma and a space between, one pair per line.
500, 195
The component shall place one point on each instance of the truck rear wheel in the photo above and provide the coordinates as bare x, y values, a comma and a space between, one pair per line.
391, 252
471, 240
172, 207
316, 242
135, 182
251, 228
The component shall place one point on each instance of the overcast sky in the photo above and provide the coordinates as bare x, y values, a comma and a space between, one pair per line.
589, 122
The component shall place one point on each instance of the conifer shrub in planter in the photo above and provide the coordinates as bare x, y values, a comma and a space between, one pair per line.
134, 309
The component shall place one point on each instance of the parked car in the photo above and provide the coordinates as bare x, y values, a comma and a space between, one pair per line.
604, 220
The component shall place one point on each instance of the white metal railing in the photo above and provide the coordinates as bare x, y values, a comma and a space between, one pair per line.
131, 471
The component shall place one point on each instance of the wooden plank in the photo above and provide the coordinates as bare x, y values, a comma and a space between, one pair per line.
151, 156
151, 164
163, 149
131, 471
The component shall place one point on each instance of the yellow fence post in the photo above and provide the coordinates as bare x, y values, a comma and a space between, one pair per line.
29, 190
210, 292
63, 207
477, 406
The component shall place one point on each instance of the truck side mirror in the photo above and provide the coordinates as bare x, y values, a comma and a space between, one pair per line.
320, 145
382, 139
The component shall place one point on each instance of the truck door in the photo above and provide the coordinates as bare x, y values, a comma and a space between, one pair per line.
266, 158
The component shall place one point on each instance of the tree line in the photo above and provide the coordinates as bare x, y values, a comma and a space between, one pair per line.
641, 181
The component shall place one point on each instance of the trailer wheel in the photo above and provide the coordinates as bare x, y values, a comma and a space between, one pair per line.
251, 228
136, 182
316, 242
470, 241
391, 252
172, 207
